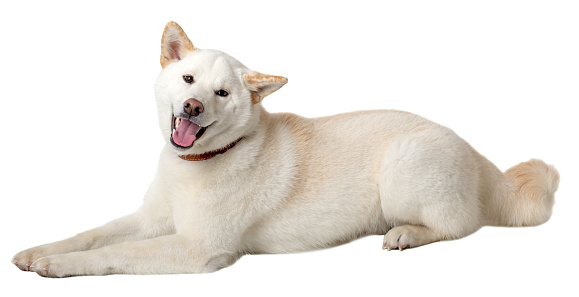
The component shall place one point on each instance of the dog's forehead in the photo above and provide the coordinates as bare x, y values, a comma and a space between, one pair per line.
211, 61
210, 68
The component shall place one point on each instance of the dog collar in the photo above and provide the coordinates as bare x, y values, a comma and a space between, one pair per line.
209, 155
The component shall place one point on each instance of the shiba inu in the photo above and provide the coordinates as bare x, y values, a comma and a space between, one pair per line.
234, 179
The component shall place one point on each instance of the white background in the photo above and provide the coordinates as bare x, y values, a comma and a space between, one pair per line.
80, 136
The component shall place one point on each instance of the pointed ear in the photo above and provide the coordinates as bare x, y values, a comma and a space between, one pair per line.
262, 85
175, 44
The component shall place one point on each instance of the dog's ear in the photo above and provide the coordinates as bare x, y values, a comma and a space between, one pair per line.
262, 85
175, 44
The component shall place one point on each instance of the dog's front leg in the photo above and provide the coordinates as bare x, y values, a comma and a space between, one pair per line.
130, 227
151, 220
161, 255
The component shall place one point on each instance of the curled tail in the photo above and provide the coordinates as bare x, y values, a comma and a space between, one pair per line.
530, 195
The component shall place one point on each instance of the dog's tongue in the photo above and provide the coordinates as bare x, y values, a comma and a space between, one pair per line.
185, 134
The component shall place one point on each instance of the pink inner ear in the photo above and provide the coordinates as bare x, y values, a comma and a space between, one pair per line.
174, 50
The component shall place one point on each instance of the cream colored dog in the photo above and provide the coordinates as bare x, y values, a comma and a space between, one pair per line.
234, 179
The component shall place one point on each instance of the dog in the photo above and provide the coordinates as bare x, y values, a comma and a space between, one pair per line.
234, 179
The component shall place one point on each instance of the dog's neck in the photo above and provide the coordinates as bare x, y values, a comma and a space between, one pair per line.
211, 154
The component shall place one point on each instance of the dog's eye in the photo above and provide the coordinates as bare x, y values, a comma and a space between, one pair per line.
188, 79
222, 93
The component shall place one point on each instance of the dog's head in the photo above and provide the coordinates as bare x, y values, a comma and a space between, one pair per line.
206, 99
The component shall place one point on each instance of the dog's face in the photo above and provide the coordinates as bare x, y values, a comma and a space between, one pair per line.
206, 99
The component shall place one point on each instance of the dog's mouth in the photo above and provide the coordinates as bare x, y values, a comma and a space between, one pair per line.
185, 132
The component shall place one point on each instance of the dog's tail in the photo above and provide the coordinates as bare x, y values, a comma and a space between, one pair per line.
527, 197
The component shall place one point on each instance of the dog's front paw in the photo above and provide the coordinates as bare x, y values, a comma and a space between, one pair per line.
54, 266
24, 259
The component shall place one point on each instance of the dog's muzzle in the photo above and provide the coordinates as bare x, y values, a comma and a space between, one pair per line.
184, 131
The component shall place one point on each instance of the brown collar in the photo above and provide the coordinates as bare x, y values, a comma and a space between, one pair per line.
211, 154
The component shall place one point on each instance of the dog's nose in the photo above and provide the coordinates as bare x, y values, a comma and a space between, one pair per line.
193, 107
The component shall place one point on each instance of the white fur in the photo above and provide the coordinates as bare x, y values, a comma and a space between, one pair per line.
293, 184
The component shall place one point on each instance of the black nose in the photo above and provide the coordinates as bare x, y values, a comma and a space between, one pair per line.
193, 107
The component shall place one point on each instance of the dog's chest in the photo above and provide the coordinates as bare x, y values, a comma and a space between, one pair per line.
216, 195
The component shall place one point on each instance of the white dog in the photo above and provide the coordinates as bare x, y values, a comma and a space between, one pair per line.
234, 179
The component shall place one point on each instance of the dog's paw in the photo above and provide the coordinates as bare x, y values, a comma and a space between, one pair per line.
24, 259
396, 238
409, 236
54, 266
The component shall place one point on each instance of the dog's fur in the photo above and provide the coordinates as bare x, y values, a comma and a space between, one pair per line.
279, 183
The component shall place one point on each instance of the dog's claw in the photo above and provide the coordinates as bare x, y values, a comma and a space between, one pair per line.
22, 266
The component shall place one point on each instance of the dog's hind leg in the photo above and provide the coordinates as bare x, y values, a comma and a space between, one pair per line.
428, 190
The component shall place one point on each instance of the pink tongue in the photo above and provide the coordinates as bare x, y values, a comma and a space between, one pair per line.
185, 134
